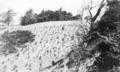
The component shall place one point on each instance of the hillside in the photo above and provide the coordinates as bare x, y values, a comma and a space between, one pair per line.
53, 40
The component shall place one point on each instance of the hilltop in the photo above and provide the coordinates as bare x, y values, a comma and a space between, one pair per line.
52, 41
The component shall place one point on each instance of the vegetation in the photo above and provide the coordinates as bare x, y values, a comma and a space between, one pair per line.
103, 39
108, 32
29, 18
15, 39
48, 15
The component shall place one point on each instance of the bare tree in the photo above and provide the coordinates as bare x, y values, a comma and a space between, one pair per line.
88, 8
7, 17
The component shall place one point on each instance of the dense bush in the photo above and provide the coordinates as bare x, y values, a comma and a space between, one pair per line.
15, 39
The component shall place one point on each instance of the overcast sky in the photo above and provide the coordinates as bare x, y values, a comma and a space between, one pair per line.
38, 5
21, 6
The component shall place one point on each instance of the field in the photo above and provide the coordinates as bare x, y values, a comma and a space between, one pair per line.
53, 40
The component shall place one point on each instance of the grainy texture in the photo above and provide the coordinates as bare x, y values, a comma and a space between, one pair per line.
53, 40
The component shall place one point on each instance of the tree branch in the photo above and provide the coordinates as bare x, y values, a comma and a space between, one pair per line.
98, 11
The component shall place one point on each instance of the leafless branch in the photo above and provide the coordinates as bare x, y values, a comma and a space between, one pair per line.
98, 11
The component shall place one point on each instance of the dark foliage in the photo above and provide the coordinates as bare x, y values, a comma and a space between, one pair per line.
77, 55
104, 39
74, 58
108, 33
29, 18
48, 15
16, 39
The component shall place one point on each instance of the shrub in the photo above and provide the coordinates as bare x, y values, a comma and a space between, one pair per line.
29, 18
15, 39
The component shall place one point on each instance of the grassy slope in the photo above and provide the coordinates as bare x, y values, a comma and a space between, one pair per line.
52, 41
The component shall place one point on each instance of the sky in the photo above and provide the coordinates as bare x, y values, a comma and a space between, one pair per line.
21, 6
